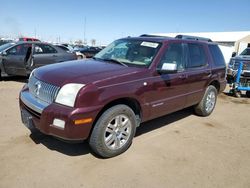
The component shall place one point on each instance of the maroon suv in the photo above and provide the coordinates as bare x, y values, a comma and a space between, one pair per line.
133, 80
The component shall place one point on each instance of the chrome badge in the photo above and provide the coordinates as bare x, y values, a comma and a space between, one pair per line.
38, 86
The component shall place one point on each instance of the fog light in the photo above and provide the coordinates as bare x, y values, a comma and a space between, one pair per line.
59, 123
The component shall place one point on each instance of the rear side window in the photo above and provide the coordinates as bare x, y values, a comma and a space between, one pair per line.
44, 49
197, 55
216, 55
63, 48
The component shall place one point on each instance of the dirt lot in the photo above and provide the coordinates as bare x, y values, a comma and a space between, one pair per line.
179, 150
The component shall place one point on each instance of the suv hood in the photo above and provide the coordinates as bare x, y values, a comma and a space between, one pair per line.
86, 71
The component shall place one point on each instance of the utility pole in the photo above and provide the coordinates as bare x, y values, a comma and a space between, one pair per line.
35, 32
84, 39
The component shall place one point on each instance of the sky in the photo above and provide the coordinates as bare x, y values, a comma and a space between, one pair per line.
107, 20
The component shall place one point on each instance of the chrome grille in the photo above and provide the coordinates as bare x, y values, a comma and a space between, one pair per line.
246, 65
42, 90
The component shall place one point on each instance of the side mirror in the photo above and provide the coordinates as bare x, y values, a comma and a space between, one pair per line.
234, 54
168, 68
4, 53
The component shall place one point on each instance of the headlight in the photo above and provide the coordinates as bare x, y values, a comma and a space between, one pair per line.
67, 94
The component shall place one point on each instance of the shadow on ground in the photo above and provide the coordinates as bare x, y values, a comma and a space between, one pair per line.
163, 121
21, 79
77, 149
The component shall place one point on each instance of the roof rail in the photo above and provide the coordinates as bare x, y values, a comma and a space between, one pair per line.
148, 35
187, 37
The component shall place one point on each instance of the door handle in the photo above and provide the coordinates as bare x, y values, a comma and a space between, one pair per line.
54, 55
208, 73
183, 76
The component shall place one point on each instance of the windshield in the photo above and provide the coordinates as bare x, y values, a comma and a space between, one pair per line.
5, 46
130, 52
246, 52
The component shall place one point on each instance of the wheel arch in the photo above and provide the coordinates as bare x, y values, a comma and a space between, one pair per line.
130, 102
216, 84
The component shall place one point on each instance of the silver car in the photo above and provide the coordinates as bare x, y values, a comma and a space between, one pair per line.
22, 57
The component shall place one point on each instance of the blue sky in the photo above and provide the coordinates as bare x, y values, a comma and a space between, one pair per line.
108, 20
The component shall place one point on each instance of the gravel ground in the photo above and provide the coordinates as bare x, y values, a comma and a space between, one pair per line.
178, 150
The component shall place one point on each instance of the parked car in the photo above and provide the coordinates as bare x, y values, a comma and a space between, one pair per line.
22, 57
89, 52
233, 65
131, 81
244, 75
70, 49
5, 41
28, 39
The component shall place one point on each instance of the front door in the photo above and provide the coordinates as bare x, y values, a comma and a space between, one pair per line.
16, 59
169, 90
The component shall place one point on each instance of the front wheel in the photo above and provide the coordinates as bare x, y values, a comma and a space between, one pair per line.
207, 104
114, 131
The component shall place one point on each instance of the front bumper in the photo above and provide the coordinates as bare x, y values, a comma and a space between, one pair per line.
36, 114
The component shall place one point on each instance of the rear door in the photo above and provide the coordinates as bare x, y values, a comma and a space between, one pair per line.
15, 62
198, 71
44, 54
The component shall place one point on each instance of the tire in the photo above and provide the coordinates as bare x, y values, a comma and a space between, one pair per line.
207, 104
79, 57
248, 94
109, 139
237, 94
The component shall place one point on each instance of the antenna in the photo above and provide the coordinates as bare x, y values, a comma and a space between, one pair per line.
84, 39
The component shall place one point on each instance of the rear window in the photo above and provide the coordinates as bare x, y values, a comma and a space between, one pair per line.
217, 55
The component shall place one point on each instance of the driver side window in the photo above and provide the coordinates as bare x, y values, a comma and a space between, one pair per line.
174, 55
19, 50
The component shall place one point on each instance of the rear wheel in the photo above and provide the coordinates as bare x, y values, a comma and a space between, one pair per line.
207, 104
114, 131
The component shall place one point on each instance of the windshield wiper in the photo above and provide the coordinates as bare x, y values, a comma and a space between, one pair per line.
114, 61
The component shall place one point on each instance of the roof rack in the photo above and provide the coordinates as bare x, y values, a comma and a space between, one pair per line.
148, 35
187, 37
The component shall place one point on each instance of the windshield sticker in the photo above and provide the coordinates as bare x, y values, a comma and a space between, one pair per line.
150, 44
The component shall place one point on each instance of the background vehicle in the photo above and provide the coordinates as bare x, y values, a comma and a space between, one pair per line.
22, 57
70, 49
89, 52
241, 83
5, 41
28, 39
234, 63
133, 80
238, 73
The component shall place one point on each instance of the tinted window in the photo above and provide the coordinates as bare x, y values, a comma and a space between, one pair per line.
44, 49
197, 55
174, 55
246, 52
63, 48
19, 49
217, 55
